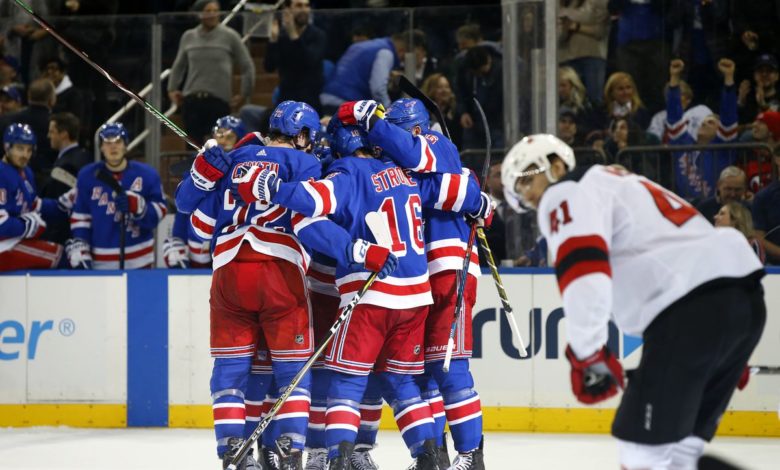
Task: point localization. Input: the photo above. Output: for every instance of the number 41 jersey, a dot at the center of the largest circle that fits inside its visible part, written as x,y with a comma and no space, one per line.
624,246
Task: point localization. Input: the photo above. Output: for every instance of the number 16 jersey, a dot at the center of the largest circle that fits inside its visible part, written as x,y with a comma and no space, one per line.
626,247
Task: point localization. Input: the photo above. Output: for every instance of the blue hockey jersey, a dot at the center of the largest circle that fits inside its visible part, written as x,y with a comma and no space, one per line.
96,219
269,228
446,233
18,196
356,186
199,252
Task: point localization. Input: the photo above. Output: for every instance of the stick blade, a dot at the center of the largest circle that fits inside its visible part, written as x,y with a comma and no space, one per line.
376,223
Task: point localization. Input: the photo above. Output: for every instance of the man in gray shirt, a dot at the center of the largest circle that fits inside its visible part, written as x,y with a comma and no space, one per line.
206,55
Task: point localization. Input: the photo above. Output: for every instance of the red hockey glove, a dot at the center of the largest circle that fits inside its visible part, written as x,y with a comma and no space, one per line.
359,113
744,378
595,378
484,215
361,253
131,203
252,138
210,165
255,185
34,225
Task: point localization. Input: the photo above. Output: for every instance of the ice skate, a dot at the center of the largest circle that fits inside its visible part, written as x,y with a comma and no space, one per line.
317,460
342,461
361,458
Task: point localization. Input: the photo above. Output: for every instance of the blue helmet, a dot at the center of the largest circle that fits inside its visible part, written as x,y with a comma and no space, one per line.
233,124
291,117
112,130
18,133
345,140
407,113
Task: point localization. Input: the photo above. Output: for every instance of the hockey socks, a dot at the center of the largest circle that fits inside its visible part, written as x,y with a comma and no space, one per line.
293,417
429,391
256,404
315,434
412,414
229,378
343,415
370,413
461,403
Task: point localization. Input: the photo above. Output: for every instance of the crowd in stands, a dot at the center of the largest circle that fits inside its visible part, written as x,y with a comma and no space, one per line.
654,74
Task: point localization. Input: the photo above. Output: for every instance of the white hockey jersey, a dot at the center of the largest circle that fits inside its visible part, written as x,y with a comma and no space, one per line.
626,247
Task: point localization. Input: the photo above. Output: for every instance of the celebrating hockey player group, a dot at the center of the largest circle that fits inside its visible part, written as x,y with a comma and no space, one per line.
288,227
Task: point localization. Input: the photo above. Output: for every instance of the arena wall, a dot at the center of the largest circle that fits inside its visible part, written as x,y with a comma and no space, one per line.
131,349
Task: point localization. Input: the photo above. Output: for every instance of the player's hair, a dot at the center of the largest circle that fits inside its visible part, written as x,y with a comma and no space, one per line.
741,219
469,31
41,91
67,122
731,171
430,83
612,82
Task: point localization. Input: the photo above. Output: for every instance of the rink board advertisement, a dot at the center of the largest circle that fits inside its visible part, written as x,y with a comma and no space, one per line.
132,349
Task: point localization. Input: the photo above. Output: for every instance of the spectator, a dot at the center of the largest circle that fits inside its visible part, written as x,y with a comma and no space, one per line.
63,138
9,72
733,214
573,96
764,95
625,133
582,41
693,115
437,87
622,99
694,172
641,45
755,24
766,215
484,80
364,71
22,212
732,187
568,129
208,54
23,36
69,98
702,36
765,130
496,234
425,64
40,100
100,215
10,100
296,49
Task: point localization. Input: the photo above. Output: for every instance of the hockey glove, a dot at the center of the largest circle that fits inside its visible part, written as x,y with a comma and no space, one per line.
359,113
484,215
744,378
595,378
252,138
34,225
363,254
210,165
175,253
131,203
78,254
255,185
66,201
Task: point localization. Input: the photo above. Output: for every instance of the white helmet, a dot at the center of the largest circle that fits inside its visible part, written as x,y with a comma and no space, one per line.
534,150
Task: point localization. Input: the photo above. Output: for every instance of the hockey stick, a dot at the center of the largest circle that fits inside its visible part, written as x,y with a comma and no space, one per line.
764,370
151,109
411,89
263,424
102,175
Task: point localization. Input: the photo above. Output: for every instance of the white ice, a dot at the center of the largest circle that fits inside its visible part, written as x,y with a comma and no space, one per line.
193,449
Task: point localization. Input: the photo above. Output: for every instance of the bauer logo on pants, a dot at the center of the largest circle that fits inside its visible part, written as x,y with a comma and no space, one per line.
298,339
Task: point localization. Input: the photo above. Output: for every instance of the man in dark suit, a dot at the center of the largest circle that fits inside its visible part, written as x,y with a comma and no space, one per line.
63,137
69,98
40,100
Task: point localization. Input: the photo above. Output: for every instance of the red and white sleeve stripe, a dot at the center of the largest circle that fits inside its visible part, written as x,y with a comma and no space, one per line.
677,129
323,195
202,224
427,162
159,209
80,220
300,221
727,133
452,192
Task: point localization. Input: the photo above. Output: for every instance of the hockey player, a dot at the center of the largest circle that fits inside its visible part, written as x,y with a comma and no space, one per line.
626,248
22,212
228,131
259,262
96,221
384,333
405,136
